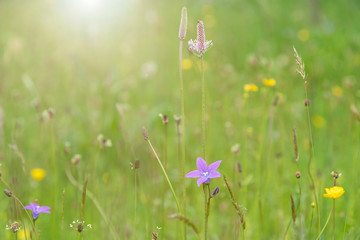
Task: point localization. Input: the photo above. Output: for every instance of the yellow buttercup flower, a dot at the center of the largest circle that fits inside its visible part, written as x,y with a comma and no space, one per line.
38,174
21,234
337,91
270,82
334,192
318,121
303,35
250,87
187,64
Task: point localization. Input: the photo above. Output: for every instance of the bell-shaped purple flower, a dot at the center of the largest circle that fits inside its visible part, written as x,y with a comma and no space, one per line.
204,172
37,209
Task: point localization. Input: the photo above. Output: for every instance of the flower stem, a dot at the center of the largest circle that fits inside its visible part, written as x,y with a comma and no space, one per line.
205,212
182,126
333,233
203,108
135,202
327,221
23,207
170,185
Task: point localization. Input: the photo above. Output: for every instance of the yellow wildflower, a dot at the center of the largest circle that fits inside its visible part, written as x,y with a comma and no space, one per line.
187,64
270,82
318,121
303,35
250,87
334,192
337,91
21,234
38,174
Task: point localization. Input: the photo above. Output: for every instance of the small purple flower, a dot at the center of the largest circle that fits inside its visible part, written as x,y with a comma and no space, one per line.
205,172
37,209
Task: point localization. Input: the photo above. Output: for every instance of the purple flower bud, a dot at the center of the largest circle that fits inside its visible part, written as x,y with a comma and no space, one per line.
216,191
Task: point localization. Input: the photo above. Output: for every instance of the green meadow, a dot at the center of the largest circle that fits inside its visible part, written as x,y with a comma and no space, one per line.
79,79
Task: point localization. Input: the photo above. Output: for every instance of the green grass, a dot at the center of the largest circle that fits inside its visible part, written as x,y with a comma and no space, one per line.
82,64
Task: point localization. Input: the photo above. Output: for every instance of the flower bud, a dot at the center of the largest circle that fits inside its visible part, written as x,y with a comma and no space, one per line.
298,174
307,102
215,192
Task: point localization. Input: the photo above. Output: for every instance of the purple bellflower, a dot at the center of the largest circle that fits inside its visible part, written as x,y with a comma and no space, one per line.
37,209
205,172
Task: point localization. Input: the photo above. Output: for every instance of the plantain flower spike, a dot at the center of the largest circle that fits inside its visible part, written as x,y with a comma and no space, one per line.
200,45
183,24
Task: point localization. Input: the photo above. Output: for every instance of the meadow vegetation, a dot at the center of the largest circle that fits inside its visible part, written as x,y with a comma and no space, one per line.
91,120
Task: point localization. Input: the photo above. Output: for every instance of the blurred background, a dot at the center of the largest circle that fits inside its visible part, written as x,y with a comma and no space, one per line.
71,70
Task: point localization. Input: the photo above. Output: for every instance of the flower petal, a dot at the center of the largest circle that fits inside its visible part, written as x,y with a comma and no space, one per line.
194,174
34,205
214,174
44,209
201,164
214,166
201,180
28,207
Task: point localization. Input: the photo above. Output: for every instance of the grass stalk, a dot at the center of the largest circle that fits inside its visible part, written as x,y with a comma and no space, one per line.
311,222
301,71
327,221
187,222
22,206
168,180
94,200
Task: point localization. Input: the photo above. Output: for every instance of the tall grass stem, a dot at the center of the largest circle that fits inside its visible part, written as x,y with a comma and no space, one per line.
170,185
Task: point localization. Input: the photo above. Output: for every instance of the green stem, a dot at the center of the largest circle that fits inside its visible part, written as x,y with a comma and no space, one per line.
203,108
170,185
22,205
311,153
182,127
333,233
207,209
311,221
327,221
95,202
205,212
135,202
